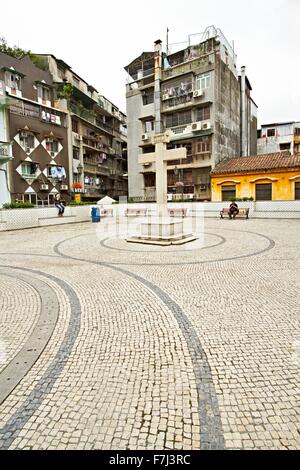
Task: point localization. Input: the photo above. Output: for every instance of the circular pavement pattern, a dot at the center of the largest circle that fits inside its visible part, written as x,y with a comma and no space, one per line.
157,348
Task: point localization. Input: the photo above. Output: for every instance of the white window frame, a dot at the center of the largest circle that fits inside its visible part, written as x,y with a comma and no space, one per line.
24,141
203,81
271,129
27,174
148,126
51,142
13,80
44,93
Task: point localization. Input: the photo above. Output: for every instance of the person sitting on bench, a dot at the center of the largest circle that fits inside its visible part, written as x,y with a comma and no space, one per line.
233,210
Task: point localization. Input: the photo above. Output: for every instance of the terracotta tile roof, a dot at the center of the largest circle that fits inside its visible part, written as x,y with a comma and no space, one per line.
265,162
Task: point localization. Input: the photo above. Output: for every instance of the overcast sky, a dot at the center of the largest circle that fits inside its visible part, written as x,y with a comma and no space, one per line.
97,39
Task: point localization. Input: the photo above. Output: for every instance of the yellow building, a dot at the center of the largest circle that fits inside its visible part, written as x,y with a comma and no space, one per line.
271,177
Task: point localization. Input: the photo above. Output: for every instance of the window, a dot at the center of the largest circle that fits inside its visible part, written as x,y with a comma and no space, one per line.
32,198
149,149
29,169
149,179
228,193
203,145
61,73
297,191
56,172
148,98
297,148
76,81
297,131
148,126
76,153
203,81
203,114
75,126
13,81
178,119
264,192
27,141
271,132
44,94
285,146
52,146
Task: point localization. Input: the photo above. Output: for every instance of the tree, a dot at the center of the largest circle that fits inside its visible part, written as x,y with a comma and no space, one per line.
19,53
15,51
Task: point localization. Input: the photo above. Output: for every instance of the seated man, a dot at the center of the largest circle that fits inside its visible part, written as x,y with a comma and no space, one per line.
233,210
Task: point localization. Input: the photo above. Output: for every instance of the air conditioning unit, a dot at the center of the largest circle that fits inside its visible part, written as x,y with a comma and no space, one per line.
44,187
198,93
206,126
145,137
64,187
196,126
165,96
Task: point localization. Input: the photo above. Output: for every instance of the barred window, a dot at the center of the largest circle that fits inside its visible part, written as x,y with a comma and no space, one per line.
179,119
148,98
228,193
264,192
297,191
203,145
203,114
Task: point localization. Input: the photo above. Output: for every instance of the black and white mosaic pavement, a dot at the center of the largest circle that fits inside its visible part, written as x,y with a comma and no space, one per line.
133,347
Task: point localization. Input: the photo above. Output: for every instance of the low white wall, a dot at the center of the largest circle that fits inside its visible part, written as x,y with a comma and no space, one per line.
28,218
16,219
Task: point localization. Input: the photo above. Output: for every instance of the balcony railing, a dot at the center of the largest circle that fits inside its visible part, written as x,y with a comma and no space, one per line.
5,152
37,112
142,74
186,67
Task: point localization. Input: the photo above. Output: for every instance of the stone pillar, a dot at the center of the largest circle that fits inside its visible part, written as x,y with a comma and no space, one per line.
244,147
157,92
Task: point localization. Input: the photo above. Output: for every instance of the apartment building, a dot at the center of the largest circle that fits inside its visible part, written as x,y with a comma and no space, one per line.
34,141
278,137
5,148
97,135
198,97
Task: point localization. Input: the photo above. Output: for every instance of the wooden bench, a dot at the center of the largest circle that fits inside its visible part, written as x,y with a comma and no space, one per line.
107,213
242,213
135,212
177,212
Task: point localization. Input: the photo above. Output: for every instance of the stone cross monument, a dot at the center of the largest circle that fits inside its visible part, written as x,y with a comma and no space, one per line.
161,157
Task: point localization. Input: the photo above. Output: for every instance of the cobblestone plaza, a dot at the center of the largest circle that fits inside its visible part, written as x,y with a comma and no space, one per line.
106,345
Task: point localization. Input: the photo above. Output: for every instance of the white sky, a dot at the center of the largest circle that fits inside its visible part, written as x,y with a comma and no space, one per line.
98,38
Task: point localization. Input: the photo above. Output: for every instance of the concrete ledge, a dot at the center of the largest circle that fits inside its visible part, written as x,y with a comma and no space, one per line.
163,241
47,221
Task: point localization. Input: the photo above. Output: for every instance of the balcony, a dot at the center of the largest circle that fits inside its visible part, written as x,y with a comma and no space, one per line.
141,74
36,111
202,160
5,152
93,192
187,67
86,114
96,169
